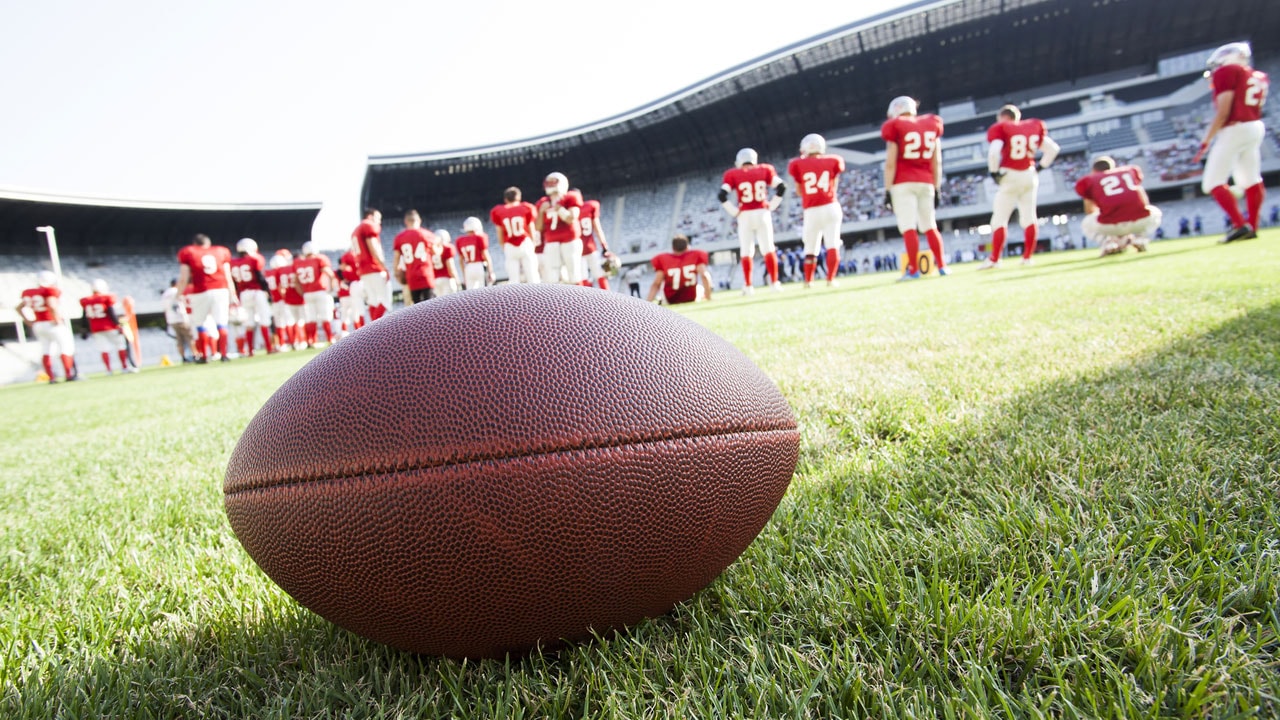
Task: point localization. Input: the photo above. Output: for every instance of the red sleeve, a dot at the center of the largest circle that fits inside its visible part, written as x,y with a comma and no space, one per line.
1137,174
994,133
1044,131
184,255
702,258
773,174
937,120
572,200
493,216
839,164
1082,186
888,132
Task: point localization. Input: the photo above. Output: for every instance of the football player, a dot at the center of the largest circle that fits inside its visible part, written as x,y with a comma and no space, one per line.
313,276
593,246
1117,212
350,294
913,176
679,272
473,247
294,301
100,319
442,266
411,257
247,270
1234,138
207,268
514,220
816,175
40,308
175,317
558,213
758,191
366,252
1011,159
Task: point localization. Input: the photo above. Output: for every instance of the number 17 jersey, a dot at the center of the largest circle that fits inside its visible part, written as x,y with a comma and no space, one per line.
816,177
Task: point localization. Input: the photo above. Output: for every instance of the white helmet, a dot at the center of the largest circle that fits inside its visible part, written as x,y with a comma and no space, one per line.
901,105
746,156
46,279
473,225
99,286
443,235
556,185
247,245
813,144
1236,53
308,248
278,261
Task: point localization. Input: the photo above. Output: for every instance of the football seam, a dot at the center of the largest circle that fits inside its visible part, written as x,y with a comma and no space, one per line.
354,475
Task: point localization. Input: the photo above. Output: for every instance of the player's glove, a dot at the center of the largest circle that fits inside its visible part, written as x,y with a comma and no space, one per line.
723,195
996,177
780,189
937,198
888,199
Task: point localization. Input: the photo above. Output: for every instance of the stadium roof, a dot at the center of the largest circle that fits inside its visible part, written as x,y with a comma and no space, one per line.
934,50
95,224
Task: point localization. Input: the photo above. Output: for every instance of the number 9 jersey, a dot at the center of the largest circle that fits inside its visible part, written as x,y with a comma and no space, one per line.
918,139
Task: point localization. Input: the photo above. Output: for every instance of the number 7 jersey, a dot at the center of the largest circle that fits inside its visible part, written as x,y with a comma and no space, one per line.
919,139
816,177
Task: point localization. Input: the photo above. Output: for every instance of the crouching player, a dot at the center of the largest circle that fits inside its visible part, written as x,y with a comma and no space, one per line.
678,273
100,319
1117,212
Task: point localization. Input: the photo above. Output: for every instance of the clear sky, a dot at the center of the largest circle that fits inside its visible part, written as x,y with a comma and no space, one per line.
244,101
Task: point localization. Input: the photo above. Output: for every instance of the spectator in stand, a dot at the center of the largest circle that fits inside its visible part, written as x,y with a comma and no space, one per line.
1198,225
1184,226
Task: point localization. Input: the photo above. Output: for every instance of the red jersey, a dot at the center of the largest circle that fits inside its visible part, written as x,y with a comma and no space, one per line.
440,263
1117,193
347,267
918,143
1250,87
206,265
98,309
414,245
37,301
472,247
515,220
554,229
243,271
1021,140
587,219
288,293
362,239
680,274
816,177
310,272
752,185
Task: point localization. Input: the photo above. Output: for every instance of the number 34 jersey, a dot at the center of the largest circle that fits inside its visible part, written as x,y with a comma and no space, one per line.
918,139
1021,140
816,177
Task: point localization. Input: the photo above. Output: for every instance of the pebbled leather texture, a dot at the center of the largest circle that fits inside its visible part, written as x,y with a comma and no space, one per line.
510,467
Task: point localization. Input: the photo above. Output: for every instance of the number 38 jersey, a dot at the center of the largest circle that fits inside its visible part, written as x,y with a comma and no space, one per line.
752,185
1117,193
1250,87
918,139
206,265
1021,139
816,177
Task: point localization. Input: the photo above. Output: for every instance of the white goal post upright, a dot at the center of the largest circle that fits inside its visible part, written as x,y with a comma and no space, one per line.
56,263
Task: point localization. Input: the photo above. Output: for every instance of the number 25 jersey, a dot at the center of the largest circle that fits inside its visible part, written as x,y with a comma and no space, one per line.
919,139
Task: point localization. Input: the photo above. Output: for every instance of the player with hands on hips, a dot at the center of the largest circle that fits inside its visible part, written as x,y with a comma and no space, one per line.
207,269
411,257
41,309
557,221
757,190
1011,158
473,248
1233,141
101,320
816,175
678,273
1118,213
913,176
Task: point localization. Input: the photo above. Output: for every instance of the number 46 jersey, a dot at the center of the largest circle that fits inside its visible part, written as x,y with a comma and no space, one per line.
1021,139
816,177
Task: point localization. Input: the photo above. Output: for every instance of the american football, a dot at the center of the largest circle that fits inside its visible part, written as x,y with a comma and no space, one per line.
585,461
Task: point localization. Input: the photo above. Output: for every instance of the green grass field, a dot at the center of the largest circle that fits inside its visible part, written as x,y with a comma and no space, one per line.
1037,492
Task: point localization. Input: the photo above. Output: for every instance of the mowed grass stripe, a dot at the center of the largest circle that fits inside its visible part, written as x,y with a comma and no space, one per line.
1035,492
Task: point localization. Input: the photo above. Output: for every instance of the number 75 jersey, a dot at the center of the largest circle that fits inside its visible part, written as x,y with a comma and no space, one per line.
919,140
816,177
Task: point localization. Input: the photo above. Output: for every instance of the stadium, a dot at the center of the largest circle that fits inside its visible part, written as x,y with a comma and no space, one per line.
1047,491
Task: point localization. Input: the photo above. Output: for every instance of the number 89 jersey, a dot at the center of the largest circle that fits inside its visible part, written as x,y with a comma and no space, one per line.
816,177
1021,141
753,185
918,139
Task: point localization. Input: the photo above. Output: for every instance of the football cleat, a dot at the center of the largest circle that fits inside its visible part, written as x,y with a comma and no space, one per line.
1026,261
833,283
944,271
909,276
813,144
747,291
556,185
901,105
472,225
746,156
776,287
1244,232
989,264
